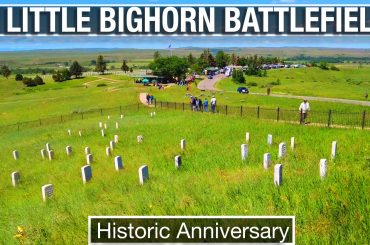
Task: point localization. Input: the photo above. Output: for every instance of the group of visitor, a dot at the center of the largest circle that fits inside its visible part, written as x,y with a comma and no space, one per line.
196,104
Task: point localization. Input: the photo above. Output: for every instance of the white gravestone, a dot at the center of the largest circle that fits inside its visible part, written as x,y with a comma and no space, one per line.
143,174
292,143
43,153
116,138
102,133
51,155
117,125
108,151
108,117
112,144
247,137
69,150
87,151
178,161
105,126
333,149
69,132
86,173
282,150
118,163
154,113
140,139
100,124
278,174
48,147
80,133
47,191
269,139
244,151
121,116
89,159
15,155
15,178
323,168
183,144
151,114
266,160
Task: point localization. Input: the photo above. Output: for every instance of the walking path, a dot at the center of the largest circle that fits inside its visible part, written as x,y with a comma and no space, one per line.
209,84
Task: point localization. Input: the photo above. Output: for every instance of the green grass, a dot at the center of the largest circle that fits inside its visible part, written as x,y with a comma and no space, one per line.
348,83
213,181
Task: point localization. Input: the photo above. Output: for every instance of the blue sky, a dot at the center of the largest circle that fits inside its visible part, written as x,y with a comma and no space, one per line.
29,43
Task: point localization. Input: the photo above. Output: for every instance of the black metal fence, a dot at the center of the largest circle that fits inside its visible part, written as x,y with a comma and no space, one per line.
331,118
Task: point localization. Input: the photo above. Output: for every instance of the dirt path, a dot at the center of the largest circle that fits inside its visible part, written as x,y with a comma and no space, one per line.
209,84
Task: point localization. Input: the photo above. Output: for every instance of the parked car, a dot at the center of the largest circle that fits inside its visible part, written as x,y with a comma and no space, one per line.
243,90
210,77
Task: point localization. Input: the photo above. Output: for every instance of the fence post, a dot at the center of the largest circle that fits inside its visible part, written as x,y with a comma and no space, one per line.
183,106
241,111
363,119
258,112
329,118
175,105
226,109
167,105
278,114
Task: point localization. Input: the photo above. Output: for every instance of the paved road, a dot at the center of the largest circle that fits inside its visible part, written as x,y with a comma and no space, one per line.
209,84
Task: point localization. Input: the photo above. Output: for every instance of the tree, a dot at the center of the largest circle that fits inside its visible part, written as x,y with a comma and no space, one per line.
75,69
101,65
18,77
206,59
66,75
238,76
29,82
131,70
169,67
38,80
156,55
124,66
5,71
222,59
324,65
191,59
57,76
233,59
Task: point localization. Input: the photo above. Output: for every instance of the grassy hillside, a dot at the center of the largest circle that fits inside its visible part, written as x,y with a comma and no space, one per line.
349,83
213,180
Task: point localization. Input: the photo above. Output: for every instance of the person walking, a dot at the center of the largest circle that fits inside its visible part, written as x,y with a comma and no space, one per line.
213,104
268,91
303,109
205,105
193,103
147,98
196,104
200,104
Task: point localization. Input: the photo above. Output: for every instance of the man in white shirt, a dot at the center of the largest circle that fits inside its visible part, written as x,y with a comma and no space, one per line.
213,104
303,109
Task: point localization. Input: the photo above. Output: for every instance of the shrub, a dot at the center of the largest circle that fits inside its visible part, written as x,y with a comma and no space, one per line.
238,76
18,77
29,82
101,85
276,83
324,65
38,80
334,68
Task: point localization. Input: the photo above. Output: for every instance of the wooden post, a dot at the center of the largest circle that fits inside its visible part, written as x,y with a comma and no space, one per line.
61,118
226,109
363,119
101,112
241,110
278,114
329,118
258,112
161,104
